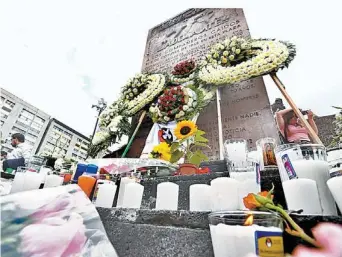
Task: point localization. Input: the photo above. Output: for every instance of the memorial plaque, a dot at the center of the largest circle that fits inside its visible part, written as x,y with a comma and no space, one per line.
245,106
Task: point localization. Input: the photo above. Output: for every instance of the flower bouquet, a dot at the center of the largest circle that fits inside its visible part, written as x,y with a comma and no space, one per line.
189,137
180,103
176,103
183,71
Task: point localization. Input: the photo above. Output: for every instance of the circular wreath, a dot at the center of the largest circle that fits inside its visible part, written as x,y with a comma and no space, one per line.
179,103
183,72
138,92
236,60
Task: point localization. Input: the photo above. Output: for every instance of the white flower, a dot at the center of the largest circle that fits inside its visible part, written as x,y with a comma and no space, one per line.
152,109
194,104
181,114
185,107
166,118
190,101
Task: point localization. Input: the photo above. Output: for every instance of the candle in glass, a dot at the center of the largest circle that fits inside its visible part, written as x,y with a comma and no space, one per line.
266,148
236,153
105,195
233,236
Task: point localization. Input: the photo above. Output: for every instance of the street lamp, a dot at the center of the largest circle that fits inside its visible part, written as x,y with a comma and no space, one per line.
100,106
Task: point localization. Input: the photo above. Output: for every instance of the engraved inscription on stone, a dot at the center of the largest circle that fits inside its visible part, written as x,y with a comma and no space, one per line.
245,108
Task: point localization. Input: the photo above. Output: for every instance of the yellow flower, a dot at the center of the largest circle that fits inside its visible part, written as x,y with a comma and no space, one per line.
163,151
185,129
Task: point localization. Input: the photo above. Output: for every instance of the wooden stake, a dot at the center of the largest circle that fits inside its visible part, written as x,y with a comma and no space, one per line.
281,87
142,116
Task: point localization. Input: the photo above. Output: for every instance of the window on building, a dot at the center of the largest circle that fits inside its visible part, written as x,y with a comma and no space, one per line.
2,122
2,100
68,135
31,137
3,115
79,140
17,130
25,113
39,120
74,155
8,104
36,126
57,129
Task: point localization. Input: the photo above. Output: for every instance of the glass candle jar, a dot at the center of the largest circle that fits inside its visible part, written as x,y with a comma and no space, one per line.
307,161
235,151
265,147
239,233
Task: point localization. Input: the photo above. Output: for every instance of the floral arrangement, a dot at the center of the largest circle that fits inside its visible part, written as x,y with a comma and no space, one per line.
183,71
188,138
180,103
155,86
337,140
138,92
251,59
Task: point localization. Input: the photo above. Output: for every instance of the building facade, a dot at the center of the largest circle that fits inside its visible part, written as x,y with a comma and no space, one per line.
61,140
18,116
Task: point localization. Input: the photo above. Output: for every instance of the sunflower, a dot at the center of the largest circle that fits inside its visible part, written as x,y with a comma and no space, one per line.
185,129
162,151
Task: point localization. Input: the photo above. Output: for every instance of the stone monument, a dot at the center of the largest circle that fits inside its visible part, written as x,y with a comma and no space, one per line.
245,107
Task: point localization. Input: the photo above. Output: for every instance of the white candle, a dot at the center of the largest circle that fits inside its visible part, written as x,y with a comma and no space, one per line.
123,184
225,194
318,171
53,181
200,197
236,240
247,184
105,195
18,182
32,180
44,171
302,194
167,196
133,195
237,153
335,186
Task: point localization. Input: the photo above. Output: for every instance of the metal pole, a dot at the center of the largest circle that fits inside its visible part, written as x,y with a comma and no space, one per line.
219,122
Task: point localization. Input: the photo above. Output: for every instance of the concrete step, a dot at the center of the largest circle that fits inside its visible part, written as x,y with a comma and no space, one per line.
152,233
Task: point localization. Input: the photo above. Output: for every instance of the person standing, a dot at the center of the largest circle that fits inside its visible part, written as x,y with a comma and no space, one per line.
22,149
291,128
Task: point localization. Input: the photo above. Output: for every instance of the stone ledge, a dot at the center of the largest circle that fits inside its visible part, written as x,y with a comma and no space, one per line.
143,240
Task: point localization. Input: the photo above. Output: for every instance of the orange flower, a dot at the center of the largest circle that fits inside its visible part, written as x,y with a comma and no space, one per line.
252,201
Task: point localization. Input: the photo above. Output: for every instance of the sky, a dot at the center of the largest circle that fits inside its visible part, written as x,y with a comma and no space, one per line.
62,56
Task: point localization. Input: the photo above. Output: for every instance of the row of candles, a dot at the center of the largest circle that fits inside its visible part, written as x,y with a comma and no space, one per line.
303,169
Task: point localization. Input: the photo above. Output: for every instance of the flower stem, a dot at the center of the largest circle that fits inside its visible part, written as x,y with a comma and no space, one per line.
300,231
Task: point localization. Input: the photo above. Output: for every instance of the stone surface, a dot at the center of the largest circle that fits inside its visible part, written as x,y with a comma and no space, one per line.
245,107
184,182
215,166
176,233
146,233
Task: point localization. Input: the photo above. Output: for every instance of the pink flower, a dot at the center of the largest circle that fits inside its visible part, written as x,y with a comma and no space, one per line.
54,237
329,236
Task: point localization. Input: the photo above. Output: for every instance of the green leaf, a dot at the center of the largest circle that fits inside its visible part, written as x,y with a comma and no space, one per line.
197,157
174,147
199,138
201,144
175,156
